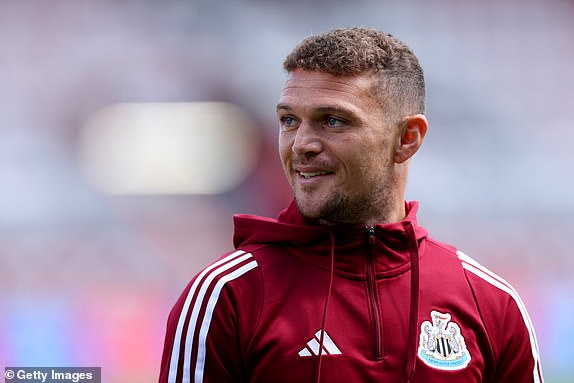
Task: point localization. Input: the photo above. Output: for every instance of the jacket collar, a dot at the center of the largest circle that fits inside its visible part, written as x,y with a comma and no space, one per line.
311,240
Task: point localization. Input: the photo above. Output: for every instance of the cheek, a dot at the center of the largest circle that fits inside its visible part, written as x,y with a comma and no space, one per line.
284,147
371,162
381,150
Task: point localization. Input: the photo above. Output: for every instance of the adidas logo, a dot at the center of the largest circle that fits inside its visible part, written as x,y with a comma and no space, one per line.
312,347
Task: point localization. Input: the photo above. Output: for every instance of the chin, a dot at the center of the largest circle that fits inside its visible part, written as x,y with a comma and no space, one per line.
308,210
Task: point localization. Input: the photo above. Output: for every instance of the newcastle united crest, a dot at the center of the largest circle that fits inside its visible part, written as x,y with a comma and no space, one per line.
441,343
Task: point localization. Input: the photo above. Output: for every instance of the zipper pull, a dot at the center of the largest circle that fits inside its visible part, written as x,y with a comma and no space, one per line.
371,235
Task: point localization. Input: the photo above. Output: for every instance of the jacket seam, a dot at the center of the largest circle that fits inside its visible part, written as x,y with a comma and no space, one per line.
492,352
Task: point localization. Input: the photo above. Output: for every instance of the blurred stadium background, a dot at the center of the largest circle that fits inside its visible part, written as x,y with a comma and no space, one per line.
104,217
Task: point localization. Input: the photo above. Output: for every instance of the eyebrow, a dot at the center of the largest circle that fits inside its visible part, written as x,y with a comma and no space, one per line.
321,109
283,107
336,109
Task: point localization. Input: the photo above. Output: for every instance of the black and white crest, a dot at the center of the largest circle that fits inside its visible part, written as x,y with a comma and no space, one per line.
441,343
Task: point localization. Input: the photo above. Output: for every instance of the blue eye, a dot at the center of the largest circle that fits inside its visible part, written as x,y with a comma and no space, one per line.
288,121
334,122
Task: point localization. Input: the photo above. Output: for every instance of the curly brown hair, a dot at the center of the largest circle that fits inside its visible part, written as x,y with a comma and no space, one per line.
353,51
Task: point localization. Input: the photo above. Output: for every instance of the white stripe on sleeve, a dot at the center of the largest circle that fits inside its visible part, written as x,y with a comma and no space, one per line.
185,309
490,277
200,365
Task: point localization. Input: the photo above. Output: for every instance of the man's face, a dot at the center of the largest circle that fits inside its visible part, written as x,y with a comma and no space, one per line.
337,146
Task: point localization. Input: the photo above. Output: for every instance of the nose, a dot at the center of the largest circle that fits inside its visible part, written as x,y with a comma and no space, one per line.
307,140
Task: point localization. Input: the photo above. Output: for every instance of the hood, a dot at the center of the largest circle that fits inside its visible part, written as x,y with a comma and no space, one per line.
303,234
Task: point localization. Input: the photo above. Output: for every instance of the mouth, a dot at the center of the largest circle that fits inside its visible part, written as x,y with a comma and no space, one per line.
308,175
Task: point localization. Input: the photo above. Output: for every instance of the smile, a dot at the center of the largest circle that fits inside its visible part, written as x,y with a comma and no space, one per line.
313,174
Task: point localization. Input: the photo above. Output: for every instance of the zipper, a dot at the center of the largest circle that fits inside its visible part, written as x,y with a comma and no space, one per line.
373,296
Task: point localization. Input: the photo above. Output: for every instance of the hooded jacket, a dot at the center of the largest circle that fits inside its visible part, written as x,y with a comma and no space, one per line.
302,302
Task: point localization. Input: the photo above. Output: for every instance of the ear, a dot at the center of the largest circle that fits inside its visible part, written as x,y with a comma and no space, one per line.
413,130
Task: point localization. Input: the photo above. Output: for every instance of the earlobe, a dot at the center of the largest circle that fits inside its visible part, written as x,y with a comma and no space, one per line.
412,135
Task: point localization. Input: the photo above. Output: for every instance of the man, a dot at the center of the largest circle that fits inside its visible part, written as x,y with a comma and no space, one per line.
345,286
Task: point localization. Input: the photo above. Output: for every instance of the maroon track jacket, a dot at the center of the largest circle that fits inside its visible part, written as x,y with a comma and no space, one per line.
303,302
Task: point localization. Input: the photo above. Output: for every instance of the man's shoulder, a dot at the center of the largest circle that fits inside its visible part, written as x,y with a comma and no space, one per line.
243,266
484,282
439,248
229,269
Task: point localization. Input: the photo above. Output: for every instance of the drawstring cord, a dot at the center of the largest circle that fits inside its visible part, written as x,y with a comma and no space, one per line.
414,309
414,304
324,319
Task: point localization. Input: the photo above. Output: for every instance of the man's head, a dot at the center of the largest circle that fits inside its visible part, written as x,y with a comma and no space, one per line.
351,116
397,75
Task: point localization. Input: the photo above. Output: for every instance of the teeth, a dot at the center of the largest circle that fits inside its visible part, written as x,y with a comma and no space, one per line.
309,175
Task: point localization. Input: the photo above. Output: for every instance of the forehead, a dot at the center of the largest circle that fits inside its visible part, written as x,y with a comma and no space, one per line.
309,88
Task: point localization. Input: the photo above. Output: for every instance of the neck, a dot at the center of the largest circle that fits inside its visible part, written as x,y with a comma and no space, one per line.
394,213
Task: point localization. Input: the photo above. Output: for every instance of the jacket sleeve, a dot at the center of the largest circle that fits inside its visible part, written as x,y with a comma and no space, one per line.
516,347
510,330
206,332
